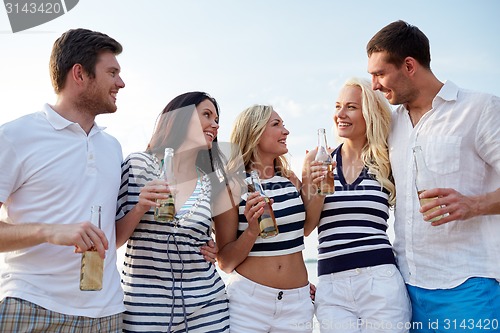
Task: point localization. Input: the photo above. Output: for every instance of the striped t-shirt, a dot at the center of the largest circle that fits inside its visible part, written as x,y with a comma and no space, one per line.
353,224
290,217
165,278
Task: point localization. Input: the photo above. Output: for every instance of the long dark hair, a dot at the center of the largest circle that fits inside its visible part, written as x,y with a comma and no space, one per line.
171,129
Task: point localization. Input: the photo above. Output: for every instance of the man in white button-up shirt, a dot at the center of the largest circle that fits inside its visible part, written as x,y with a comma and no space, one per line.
452,265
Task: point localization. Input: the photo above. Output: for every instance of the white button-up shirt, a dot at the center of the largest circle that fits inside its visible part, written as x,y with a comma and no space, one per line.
460,139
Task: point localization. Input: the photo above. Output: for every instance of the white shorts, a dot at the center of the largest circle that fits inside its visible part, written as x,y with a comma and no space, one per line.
256,308
371,299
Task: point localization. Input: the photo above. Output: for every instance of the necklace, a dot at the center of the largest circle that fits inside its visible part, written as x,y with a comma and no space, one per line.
204,188
204,185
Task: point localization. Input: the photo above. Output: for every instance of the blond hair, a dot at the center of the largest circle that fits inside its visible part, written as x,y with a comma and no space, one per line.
246,134
376,111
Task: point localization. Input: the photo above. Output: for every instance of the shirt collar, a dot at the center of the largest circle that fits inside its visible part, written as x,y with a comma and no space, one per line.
59,122
448,92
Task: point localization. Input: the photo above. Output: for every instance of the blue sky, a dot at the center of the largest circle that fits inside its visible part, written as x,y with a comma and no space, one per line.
291,54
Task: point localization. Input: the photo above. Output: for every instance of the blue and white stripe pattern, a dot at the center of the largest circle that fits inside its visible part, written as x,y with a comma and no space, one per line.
166,280
353,224
290,216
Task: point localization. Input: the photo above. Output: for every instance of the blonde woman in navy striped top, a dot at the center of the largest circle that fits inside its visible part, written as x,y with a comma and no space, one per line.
268,288
359,286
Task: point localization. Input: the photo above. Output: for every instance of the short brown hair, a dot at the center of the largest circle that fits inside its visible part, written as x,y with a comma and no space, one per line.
400,40
78,46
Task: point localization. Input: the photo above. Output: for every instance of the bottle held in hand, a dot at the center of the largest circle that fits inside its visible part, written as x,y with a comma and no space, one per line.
267,221
166,211
327,185
424,180
92,265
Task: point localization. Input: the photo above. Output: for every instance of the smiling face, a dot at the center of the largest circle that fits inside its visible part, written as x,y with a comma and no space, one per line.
204,125
390,80
348,116
99,95
272,142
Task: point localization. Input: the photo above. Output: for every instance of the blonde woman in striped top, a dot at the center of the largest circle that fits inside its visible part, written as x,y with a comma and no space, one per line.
359,286
268,288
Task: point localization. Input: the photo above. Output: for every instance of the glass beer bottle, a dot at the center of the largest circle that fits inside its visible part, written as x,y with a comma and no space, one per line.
91,269
424,180
327,185
166,211
267,221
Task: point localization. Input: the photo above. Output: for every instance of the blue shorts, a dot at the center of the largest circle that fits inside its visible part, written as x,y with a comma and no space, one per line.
473,306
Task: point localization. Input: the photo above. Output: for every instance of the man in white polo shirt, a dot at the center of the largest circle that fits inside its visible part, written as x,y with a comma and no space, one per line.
54,165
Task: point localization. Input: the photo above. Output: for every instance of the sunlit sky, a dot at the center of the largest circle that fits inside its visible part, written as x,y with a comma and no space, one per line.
291,54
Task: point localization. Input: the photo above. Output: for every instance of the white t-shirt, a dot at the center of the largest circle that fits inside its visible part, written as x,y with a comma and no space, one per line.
52,172
460,139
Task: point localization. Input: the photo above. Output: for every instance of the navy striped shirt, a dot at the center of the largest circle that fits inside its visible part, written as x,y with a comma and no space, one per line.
165,276
353,224
290,216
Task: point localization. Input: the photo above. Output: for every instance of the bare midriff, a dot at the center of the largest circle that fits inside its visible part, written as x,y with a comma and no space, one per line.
280,272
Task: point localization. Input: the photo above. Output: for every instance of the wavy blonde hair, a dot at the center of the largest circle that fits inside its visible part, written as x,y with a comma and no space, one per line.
376,111
247,131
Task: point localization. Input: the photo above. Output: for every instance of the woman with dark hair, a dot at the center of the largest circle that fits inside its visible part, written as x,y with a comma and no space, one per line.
169,283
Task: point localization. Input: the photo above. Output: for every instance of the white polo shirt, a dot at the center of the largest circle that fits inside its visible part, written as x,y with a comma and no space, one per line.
52,172
460,138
